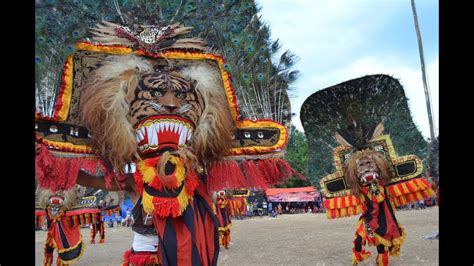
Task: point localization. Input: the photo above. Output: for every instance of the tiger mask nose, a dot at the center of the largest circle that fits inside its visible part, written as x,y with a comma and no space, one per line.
170,108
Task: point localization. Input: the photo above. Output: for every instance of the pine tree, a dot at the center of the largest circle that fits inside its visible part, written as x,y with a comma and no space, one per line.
297,157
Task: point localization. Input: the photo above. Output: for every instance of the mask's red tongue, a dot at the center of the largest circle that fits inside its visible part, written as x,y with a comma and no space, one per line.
156,133
369,177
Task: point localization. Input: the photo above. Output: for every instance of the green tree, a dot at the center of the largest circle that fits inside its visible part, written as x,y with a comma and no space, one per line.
297,157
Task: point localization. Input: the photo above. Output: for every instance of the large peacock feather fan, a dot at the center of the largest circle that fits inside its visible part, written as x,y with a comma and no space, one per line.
231,28
353,109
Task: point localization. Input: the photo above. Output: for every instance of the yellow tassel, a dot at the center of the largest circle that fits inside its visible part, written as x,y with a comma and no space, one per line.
147,201
331,203
422,185
148,173
343,212
180,171
350,211
183,200
405,188
338,202
430,192
415,185
403,200
396,202
397,191
346,201
411,197
418,195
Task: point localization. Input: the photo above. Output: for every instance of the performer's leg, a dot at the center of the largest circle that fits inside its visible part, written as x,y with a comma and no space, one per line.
48,253
382,256
358,243
359,254
226,239
59,262
221,238
102,232
93,232
394,250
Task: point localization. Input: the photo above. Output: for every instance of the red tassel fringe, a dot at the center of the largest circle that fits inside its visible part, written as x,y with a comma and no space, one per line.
138,181
254,176
286,167
286,172
269,171
228,174
225,175
416,189
140,258
164,207
59,173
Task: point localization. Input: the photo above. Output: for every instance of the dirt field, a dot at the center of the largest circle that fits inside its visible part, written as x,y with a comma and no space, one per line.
298,239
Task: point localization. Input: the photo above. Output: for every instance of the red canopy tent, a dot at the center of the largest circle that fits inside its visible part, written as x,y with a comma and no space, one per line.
298,194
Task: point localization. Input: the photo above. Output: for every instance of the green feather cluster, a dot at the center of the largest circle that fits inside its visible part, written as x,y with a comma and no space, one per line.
231,28
369,100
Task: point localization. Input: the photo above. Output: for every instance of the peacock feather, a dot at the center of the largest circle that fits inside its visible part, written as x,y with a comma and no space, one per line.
231,28
353,109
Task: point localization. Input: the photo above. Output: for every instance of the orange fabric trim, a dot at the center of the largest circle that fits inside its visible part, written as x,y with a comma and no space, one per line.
61,108
67,146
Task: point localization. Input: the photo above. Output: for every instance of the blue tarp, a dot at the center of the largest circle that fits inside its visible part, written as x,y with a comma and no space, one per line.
126,205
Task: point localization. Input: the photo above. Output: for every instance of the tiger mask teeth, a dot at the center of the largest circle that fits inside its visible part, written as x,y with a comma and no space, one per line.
156,132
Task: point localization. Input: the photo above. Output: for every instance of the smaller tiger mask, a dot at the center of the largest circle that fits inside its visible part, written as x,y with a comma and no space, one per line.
56,203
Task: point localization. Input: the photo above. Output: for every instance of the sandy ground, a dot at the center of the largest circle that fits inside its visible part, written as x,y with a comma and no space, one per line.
298,239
